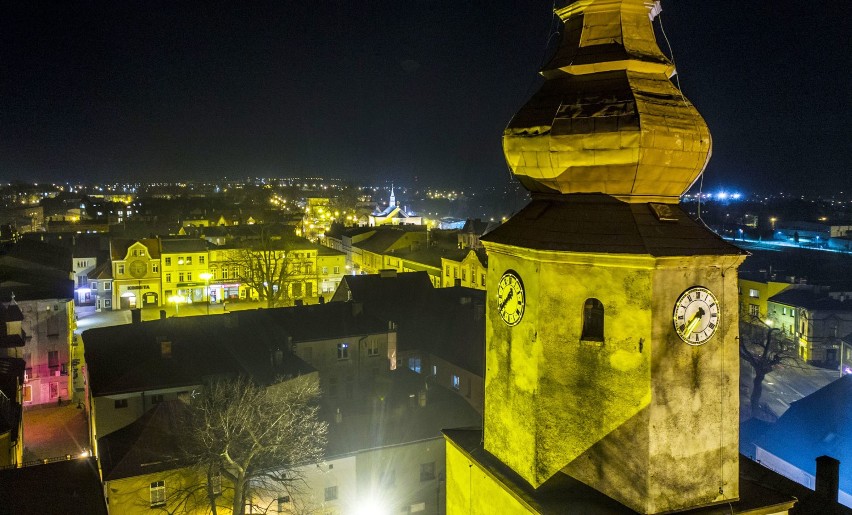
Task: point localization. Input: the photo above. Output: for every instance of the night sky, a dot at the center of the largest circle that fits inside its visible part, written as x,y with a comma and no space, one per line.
376,89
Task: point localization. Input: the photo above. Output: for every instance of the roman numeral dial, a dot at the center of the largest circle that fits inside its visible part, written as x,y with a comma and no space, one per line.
511,299
696,315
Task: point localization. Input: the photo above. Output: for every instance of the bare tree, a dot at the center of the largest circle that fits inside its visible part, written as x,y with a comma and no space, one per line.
764,353
246,441
274,267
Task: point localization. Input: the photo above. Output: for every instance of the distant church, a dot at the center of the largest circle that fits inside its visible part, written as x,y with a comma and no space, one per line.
612,364
394,214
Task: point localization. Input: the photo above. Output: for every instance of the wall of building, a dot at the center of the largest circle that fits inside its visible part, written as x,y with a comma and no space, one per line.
48,325
472,490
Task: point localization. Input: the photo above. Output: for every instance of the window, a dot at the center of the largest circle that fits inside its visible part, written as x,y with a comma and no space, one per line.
753,293
325,270
784,311
414,364
283,501
120,269
93,285
155,267
593,321
342,351
200,260
189,276
337,270
107,303
427,471
158,493
180,277
456,382
168,278
447,271
28,393
434,370
464,275
754,310
482,280
53,361
189,260
120,403
331,493
373,348
168,261
107,286
297,290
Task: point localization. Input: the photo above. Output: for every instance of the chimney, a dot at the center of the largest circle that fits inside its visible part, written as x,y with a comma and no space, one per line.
827,478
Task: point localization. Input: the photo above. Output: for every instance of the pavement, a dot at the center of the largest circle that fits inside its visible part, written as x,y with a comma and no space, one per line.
52,431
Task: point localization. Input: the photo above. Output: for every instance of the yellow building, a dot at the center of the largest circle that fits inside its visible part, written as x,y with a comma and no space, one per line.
185,263
135,273
331,267
466,268
612,364
754,292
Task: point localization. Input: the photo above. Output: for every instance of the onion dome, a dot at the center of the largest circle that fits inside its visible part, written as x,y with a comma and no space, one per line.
608,118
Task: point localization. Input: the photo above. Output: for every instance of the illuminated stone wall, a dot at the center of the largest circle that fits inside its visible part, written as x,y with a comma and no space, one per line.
641,416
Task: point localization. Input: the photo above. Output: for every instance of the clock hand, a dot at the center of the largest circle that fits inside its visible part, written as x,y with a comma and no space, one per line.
693,322
507,299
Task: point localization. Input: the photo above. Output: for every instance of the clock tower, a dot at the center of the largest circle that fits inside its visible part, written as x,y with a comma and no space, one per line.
611,350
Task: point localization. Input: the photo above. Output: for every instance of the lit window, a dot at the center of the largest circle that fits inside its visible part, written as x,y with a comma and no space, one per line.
189,260
784,311
331,493
434,370
753,293
158,493
593,321
427,471
456,382
414,364
342,351
753,310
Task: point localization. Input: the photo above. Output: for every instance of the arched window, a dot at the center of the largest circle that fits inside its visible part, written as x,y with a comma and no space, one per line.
593,320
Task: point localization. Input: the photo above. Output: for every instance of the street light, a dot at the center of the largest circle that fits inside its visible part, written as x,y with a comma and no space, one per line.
206,276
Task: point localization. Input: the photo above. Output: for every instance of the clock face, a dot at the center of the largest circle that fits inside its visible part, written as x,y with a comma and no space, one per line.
138,269
510,298
696,315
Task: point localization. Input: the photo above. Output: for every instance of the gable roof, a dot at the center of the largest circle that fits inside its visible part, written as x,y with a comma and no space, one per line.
72,487
118,247
597,223
810,299
817,425
128,358
186,244
145,446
